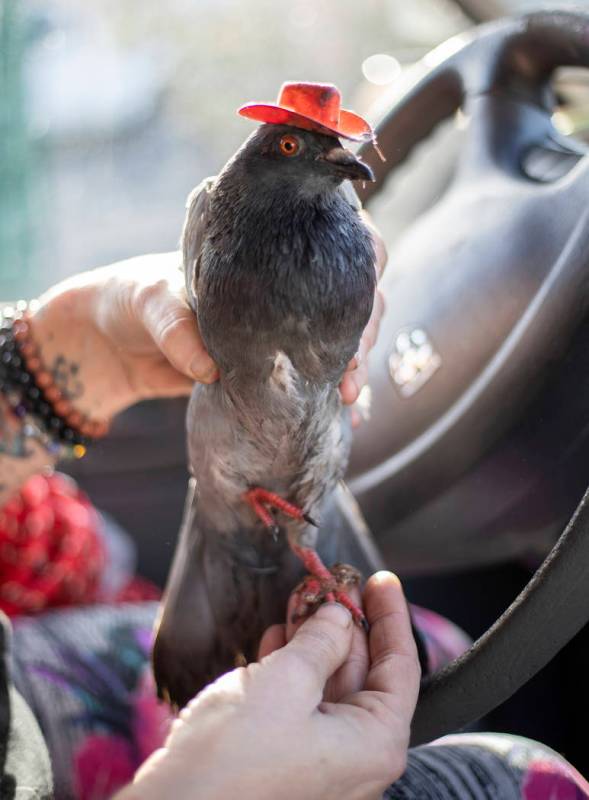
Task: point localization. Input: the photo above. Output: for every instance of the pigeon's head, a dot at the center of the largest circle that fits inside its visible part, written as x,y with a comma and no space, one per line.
303,161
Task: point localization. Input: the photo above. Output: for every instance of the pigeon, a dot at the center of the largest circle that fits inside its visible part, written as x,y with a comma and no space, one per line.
281,273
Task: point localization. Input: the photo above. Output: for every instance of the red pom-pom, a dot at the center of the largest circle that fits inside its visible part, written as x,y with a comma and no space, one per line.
50,551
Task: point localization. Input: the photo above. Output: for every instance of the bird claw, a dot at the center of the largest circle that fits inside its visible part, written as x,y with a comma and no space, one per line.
310,520
329,587
261,499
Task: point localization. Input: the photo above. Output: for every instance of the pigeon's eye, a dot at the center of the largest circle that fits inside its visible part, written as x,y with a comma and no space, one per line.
289,145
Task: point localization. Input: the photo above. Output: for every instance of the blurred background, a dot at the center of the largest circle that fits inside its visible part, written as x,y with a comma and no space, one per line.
112,112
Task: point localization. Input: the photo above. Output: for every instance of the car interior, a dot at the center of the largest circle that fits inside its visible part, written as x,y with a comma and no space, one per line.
472,455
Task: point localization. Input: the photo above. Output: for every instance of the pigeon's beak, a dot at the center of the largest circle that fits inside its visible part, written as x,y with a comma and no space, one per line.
346,164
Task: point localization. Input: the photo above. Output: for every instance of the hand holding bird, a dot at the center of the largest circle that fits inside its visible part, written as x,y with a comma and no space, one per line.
323,714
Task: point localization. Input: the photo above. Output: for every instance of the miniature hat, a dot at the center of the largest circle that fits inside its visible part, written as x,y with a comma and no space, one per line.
313,106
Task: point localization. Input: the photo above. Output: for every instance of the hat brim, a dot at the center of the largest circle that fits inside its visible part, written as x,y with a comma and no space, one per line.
351,126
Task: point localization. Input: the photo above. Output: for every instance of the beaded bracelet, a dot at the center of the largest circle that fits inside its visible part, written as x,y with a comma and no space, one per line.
32,395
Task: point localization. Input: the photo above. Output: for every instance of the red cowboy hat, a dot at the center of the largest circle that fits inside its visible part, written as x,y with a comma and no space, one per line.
313,106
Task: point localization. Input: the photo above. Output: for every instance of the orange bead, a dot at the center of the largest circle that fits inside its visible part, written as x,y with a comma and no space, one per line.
28,349
52,393
43,379
74,419
33,363
62,407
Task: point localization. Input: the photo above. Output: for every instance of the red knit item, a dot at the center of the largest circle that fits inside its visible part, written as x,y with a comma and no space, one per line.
138,590
50,551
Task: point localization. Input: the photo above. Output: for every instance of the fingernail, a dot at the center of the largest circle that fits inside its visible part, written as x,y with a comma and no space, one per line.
336,613
203,372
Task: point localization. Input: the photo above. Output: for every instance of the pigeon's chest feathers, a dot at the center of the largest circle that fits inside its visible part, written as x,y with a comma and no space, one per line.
278,266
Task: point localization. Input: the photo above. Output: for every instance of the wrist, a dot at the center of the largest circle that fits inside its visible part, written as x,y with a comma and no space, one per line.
36,417
84,364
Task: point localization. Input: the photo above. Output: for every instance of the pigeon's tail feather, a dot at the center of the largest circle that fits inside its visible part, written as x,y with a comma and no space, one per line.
223,592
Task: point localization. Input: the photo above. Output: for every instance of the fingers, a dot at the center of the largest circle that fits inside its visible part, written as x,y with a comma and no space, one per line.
173,328
394,669
350,677
352,383
318,648
379,245
371,330
273,639
179,340
381,252
356,374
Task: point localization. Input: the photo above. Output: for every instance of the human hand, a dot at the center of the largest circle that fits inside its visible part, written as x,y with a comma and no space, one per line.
267,730
119,334
351,676
356,374
122,333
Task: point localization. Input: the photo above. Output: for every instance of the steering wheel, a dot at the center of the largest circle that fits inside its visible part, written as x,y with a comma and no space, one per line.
488,290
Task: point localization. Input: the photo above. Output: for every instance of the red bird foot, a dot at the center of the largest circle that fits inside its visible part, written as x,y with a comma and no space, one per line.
325,586
261,500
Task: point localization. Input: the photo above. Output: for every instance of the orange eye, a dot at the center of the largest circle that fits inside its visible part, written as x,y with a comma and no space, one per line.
289,145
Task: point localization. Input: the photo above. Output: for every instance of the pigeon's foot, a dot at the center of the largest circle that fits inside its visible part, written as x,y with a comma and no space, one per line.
261,500
324,585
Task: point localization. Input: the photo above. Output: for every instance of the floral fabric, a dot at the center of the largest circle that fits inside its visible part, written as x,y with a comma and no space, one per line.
487,766
85,674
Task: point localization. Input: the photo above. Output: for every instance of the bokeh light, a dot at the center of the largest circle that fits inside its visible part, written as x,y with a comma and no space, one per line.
381,69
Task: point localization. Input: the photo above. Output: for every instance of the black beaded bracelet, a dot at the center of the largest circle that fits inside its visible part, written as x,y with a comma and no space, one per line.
31,393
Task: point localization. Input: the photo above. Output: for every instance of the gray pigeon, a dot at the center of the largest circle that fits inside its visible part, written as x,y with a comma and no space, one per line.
280,271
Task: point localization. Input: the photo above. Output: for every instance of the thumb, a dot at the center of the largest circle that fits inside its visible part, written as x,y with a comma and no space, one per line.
319,647
180,342
173,328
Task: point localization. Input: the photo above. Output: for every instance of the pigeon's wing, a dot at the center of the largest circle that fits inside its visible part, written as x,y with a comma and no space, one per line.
193,234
